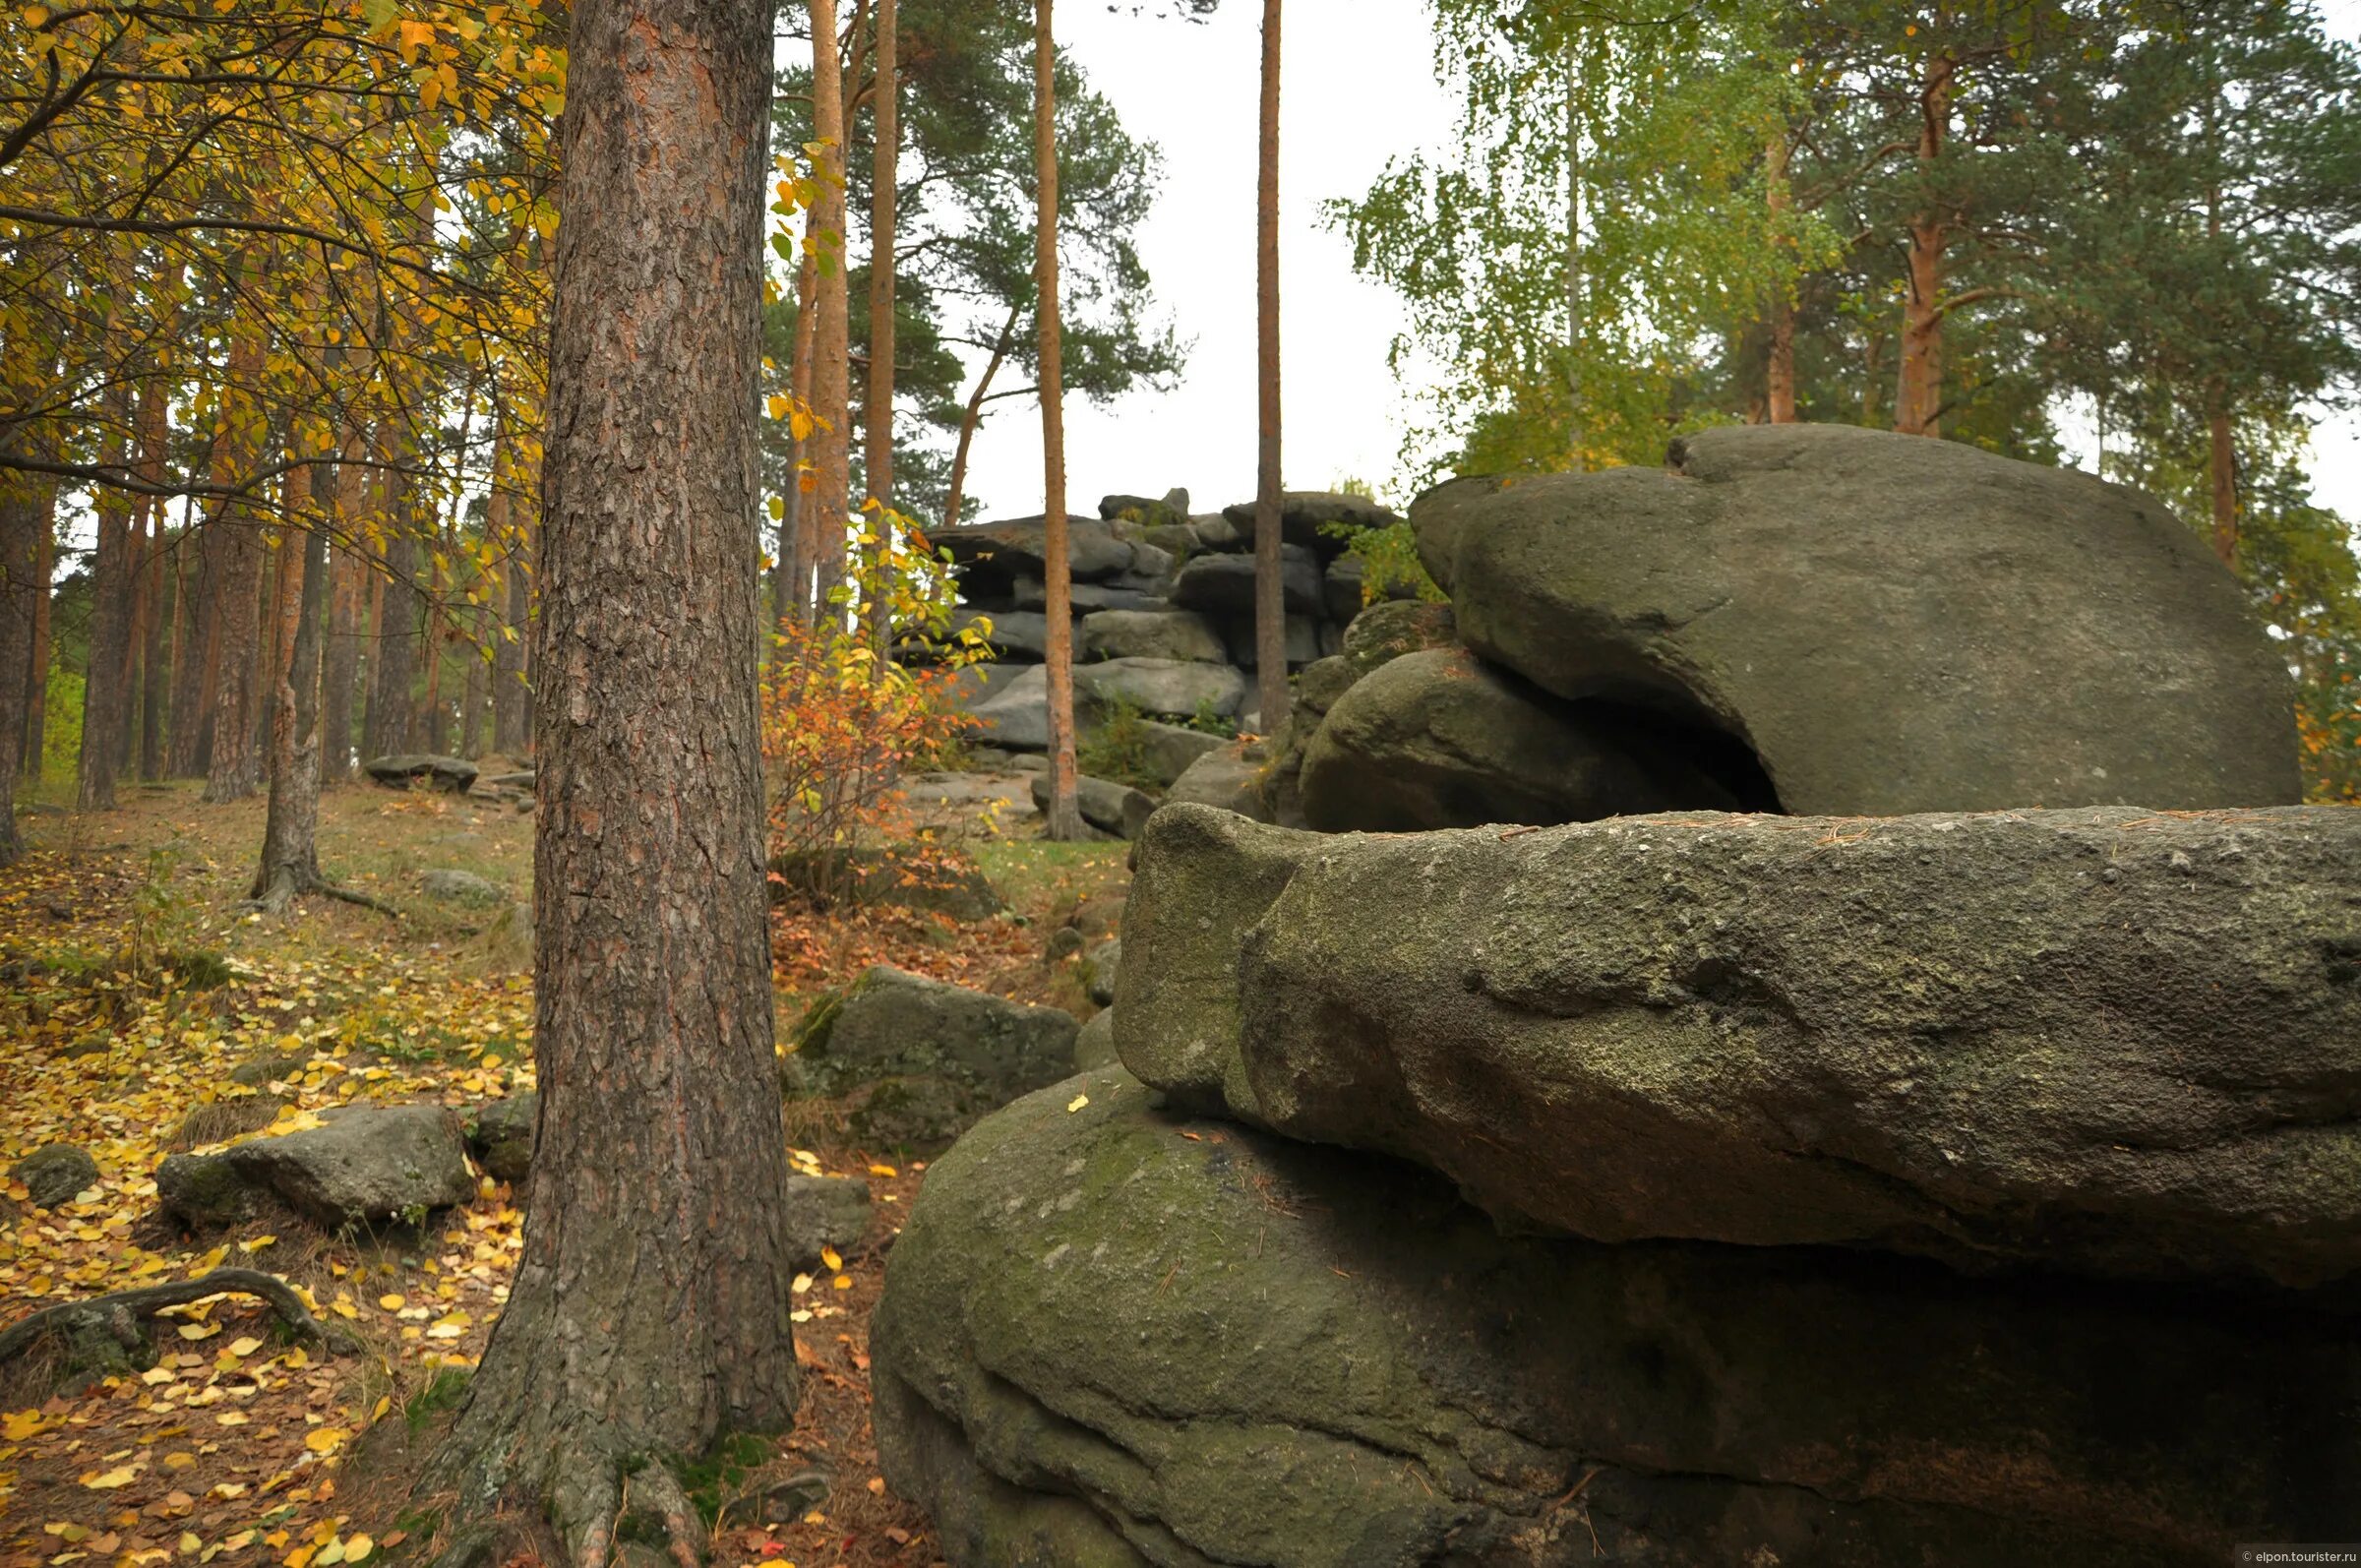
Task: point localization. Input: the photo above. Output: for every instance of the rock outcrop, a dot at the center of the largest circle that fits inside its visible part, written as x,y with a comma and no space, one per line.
1890,623
924,1059
2118,1042
1112,1337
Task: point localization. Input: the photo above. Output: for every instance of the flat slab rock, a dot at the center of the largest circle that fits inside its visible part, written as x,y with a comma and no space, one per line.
367,1166
1892,623
2116,1042
1112,1337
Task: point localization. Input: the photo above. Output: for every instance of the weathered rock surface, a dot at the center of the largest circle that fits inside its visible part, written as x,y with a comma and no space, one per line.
1300,640
1225,583
993,554
370,1164
1440,738
54,1174
1013,634
500,1134
1387,630
936,1057
1114,807
447,886
1103,1340
1893,625
1304,513
1151,635
2111,1041
824,1212
1168,750
448,773
202,1191
1226,779
1175,687
1094,1047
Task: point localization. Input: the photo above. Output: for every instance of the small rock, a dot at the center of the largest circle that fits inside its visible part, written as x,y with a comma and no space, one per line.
380,1162
501,1136
462,888
203,1191
55,1175
450,774
824,1212
1105,960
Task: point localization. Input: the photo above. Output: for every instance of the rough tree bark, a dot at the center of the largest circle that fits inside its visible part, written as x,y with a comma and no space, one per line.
290,864
36,685
234,771
20,586
831,353
1780,375
394,652
1064,809
193,647
342,659
1270,606
650,1314
1919,385
102,695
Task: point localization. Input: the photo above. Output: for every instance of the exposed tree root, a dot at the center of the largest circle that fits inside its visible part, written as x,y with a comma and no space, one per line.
120,1310
606,1511
287,884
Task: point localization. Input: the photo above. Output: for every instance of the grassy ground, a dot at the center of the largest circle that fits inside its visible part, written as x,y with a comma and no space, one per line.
131,987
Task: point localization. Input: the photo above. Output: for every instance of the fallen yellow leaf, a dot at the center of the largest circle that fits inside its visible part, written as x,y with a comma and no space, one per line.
109,1479
1076,1103
326,1439
828,1256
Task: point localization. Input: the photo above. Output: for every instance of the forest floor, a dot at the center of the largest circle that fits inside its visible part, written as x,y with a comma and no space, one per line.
131,985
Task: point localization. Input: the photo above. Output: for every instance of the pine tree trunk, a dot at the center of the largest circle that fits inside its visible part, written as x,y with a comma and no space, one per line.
1780,372
650,1309
36,685
234,771
102,693
831,354
395,652
1270,599
476,707
792,597
186,735
1918,384
884,216
341,661
2221,474
511,690
153,687
1064,811
973,415
20,585
291,862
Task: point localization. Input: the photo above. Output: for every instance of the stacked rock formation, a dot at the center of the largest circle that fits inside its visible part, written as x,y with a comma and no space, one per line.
1164,613
1949,1188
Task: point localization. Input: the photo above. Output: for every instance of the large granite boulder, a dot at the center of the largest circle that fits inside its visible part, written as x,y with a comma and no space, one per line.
1110,1337
2117,1042
1168,750
1151,635
1226,779
1224,584
1304,516
1179,688
993,556
369,1164
1014,635
1440,739
1892,623
927,1058
1390,628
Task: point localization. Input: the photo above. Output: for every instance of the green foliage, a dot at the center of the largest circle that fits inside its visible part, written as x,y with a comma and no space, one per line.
1389,561
61,724
1117,748
1208,722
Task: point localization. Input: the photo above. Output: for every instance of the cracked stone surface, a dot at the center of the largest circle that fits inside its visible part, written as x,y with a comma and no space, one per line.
2114,1042
1893,623
1114,1336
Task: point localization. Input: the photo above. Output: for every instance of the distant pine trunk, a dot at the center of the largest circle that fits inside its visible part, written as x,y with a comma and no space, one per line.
1270,598
831,351
1918,382
104,699
235,768
1780,372
2221,474
1064,809
20,585
37,684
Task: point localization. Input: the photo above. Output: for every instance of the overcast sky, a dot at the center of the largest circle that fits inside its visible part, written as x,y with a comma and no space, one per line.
1359,88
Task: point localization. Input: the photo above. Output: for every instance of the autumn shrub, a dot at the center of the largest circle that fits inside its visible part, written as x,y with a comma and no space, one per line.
842,725
1116,748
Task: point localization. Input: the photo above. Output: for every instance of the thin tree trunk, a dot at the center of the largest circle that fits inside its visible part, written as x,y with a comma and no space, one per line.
973,415
883,208
290,860
476,707
193,642
342,659
1779,372
102,695
650,1309
20,585
832,362
1919,385
1576,424
1270,598
511,692
793,595
37,684
154,686
2221,474
1064,810
234,771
